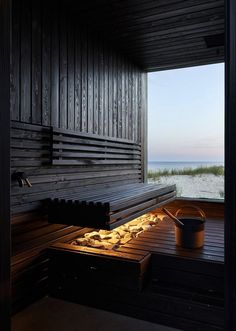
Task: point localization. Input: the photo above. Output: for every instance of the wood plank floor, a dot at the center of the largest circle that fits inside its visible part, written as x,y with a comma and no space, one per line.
161,240
182,288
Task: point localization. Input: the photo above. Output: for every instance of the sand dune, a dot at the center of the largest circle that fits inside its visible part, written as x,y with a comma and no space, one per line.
199,186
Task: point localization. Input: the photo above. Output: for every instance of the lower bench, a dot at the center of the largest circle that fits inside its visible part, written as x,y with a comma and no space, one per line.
71,264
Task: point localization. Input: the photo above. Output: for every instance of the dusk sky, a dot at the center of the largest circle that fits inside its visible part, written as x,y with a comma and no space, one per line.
186,114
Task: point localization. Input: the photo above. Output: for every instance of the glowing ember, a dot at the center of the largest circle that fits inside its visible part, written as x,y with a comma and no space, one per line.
113,239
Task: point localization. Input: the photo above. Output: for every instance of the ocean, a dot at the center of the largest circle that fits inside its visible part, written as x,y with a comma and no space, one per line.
156,165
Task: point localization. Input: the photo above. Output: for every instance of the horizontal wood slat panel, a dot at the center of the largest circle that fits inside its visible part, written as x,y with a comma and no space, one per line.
69,148
31,153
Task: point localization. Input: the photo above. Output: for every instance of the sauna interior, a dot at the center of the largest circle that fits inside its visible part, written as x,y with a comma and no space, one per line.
85,224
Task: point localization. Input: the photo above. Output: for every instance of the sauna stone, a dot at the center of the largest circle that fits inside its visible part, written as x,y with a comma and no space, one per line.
113,239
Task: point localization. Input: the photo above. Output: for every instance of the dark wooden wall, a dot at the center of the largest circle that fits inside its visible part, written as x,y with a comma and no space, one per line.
5,33
63,75
66,76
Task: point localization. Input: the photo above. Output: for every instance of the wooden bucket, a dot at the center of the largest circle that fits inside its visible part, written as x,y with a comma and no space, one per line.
192,233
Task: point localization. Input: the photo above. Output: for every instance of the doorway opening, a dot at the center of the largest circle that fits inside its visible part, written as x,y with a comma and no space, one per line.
186,130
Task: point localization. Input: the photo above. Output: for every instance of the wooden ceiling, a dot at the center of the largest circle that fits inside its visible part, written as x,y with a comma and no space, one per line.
161,34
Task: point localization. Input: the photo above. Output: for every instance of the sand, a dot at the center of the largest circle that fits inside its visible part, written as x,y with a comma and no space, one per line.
199,186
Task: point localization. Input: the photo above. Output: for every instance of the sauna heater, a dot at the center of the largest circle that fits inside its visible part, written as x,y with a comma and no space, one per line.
103,250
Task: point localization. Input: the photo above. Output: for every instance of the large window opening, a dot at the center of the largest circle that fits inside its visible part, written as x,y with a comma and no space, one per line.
186,130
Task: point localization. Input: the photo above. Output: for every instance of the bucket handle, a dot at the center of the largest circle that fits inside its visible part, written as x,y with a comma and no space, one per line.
200,211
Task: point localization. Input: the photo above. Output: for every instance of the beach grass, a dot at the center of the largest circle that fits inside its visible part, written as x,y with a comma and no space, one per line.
213,170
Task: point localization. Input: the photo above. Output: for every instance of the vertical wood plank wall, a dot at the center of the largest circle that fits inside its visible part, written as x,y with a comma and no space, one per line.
66,76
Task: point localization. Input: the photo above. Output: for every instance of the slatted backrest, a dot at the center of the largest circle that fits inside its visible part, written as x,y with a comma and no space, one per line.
30,146
70,148
31,152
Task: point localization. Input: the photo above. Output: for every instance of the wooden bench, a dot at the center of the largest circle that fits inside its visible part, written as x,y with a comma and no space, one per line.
182,288
108,208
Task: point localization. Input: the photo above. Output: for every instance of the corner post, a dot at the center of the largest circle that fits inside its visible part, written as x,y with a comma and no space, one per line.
5,247
230,166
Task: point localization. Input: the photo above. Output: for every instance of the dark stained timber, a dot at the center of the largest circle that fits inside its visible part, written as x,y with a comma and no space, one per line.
85,160
108,208
5,239
54,70
78,84
84,78
65,75
71,78
15,63
25,60
153,33
179,287
78,80
126,268
63,51
80,67
46,64
36,63
90,82
70,148
142,127
230,162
